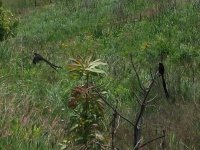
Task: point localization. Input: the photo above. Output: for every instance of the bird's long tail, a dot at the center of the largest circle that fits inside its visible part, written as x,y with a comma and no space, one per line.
165,87
52,65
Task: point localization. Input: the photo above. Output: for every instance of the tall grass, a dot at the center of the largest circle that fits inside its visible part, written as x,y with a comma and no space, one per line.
33,99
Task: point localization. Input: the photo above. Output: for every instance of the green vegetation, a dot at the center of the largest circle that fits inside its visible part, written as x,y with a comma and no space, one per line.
8,24
87,120
34,99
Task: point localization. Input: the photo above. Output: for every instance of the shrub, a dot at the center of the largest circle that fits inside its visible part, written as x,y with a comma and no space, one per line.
87,119
8,24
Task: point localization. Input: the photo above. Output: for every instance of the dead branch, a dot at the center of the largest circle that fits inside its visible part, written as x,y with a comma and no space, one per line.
113,126
137,129
109,105
138,78
162,136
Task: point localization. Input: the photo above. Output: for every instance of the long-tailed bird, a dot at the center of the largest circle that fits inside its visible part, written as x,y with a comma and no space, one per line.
37,58
161,70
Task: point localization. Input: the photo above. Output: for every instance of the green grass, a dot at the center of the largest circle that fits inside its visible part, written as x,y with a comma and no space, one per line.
32,98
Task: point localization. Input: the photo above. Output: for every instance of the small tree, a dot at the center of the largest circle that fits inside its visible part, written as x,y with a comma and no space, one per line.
87,119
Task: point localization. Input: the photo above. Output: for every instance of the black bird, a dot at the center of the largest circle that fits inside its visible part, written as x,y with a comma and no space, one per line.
161,70
37,58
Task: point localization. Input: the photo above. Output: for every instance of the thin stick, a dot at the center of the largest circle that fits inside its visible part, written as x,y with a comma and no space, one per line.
113,129
138,78
151,141
108,104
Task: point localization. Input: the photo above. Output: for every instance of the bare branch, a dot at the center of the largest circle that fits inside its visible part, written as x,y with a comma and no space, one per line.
152,141
117,126
140,114
137,98
113,129
138,78
145,99
137,144
108,104
149,101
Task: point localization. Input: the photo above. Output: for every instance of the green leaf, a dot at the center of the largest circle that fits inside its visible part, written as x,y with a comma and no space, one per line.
95,70
97,63
93,67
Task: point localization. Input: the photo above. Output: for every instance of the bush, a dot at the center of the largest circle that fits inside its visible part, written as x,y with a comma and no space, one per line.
8,24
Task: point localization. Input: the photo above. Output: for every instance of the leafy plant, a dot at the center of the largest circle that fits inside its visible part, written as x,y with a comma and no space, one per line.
88,108
8,23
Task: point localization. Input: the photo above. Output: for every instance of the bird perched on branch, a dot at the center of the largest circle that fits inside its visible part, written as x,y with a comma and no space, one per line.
37,58
161,71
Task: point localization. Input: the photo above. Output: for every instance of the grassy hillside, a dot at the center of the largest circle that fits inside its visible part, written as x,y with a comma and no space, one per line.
33,98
